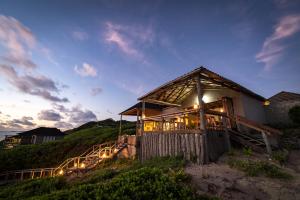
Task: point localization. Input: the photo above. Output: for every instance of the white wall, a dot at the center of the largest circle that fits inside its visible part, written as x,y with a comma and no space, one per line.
254,109
215,95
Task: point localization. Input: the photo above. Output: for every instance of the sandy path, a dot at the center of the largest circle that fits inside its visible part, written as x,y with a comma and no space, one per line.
222,181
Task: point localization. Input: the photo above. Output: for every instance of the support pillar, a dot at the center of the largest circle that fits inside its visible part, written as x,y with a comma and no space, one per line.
200,91
137,121
120,128
143,116
227,137
204,144
268,146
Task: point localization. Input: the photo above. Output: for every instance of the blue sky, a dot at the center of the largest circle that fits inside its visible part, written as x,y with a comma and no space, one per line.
63,63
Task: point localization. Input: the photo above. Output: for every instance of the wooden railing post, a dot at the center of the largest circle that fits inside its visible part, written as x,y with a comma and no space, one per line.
268,146
227,137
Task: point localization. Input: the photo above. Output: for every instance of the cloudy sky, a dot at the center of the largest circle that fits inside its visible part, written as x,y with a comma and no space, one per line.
63,63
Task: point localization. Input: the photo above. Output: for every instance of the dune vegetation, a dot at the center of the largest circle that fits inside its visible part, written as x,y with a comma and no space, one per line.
73,144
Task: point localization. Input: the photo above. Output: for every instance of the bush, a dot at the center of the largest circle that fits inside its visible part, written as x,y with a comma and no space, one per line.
256,168
32,188
144,183
294,114
247,151
280,156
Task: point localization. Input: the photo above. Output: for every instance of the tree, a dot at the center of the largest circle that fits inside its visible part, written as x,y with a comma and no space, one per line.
294,114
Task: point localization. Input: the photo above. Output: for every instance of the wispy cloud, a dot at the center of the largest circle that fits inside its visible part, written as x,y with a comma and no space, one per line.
86,70
34,85
18,41
48,54
80,35
136,89
96,91
128,38
274,45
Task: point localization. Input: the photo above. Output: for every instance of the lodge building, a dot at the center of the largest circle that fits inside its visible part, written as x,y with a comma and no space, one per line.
198,115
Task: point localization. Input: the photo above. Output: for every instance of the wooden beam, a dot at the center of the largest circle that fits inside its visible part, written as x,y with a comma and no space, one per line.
268,146
162,102
143,116
182,89
120,128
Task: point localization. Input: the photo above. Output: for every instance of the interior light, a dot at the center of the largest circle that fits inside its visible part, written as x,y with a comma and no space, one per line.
221,110
195,106
82,165
61,172
266,103
205,98
75,164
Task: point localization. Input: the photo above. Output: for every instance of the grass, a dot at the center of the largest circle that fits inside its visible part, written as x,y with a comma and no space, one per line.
257,168
160,178
52,153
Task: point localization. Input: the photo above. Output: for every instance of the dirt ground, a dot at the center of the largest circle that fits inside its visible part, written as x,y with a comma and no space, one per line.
218,179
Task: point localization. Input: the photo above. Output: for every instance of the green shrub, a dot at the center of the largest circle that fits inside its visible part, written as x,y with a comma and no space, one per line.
32,187
144,183
294,114
256,168
247,151
280,156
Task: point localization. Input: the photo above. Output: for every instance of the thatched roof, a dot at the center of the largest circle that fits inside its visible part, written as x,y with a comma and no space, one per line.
175,91
148,107
285,96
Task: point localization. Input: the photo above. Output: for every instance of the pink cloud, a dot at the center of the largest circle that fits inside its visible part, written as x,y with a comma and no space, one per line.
18,40
131,40
273,46
86,70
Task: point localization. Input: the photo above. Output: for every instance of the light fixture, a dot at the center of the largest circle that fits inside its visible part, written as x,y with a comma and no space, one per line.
205,99
195,106
266,103
104,155
61,172
75,165
82,165
221,110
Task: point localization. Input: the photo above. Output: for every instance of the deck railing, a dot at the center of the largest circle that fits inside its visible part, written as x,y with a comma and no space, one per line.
166,123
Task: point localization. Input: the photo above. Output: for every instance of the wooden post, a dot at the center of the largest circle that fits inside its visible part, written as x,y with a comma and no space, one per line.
143,116
200,91
201,105
120,128
268,146
227,138
137,121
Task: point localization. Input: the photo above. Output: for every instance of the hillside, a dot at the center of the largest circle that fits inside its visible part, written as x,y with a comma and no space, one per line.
162,178
52,153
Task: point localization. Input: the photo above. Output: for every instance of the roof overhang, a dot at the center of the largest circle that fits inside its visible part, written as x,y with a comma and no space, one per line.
136,109
175,91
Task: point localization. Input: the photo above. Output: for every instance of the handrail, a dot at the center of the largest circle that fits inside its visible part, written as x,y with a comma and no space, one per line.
259,127
95,151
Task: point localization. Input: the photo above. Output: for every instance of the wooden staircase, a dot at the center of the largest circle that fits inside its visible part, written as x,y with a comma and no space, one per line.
254,135
80,164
